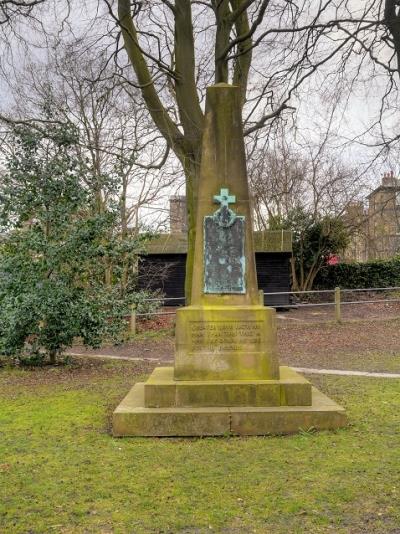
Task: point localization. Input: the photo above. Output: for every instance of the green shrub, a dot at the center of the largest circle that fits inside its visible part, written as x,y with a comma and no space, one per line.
58,254
315,237
360,275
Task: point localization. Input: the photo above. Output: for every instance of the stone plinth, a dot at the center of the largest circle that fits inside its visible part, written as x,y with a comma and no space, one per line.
226,343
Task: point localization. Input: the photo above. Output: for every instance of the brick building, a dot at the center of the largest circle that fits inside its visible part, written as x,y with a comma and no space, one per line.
375,231
384,219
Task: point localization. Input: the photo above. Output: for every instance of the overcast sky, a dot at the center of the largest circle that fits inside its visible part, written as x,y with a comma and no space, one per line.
352,118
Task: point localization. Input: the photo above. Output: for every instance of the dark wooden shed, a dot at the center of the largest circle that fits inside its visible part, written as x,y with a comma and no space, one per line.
163,266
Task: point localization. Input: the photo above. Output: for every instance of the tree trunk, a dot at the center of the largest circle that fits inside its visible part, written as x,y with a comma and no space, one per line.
392,22
192,175
124,235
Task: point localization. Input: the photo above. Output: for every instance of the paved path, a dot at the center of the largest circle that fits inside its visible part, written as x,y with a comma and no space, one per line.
306,370
345,373
113,357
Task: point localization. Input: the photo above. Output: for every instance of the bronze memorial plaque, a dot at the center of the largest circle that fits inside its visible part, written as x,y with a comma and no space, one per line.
224,255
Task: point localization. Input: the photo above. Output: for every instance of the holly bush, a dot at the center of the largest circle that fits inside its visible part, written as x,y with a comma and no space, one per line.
54,250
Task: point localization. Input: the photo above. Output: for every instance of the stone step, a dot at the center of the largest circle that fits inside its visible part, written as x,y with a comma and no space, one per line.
162,391
131,418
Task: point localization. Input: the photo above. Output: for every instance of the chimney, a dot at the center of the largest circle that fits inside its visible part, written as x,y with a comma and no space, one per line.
177,215
388,180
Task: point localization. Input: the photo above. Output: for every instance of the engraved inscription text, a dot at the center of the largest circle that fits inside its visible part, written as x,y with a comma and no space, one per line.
225,336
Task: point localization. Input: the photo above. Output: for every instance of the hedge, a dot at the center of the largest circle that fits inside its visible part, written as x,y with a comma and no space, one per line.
360,275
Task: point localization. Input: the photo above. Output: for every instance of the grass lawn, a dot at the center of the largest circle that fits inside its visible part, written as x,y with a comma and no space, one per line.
61,471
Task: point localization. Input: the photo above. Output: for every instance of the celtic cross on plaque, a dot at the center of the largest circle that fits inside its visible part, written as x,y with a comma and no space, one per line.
224,216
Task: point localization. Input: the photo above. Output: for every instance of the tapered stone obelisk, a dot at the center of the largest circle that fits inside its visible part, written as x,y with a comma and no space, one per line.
225,334
226,378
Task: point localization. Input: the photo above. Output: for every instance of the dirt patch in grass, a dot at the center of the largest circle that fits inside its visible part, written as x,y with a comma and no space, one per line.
78,371
361,345
357,345
149,346
350,312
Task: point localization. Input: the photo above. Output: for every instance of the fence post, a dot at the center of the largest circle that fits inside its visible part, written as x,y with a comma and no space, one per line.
338,312
132,323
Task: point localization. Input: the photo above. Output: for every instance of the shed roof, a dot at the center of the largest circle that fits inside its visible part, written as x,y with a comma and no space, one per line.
265,241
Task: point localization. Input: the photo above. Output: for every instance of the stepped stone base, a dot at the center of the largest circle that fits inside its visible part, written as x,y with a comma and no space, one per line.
162,391
183,407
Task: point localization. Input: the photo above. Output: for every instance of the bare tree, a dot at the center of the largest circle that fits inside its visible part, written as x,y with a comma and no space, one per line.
270,49
116,135
277,177
11,11
288,176
117,139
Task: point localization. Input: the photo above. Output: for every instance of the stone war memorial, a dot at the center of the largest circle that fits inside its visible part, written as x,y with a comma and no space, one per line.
226,379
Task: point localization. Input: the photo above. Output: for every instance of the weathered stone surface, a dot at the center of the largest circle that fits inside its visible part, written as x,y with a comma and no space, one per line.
223,165
323,414
160,395
226,343
208,393
132,419
295,389
161,390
